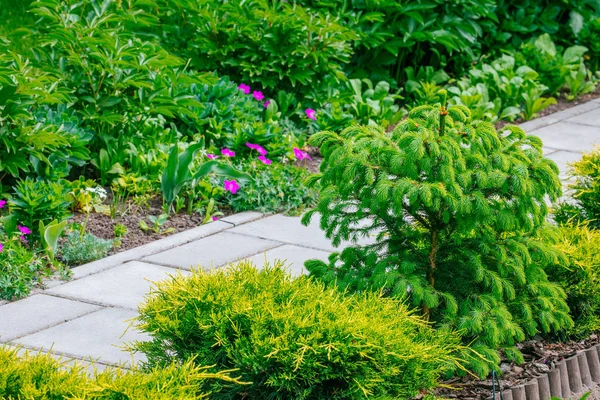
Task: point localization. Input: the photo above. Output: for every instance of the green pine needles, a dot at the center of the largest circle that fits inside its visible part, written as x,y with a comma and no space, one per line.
456,209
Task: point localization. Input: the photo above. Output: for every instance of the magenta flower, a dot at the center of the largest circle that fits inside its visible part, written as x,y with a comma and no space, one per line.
261,150
24,230
1,247
267,103
244,88
265,160
215,218
227,153
311,114
211,156
23,239
301,155
258,95
2,203
231,186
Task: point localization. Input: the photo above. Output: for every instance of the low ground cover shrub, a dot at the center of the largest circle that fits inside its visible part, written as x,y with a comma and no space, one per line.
293,338
83,247
585,192
41,376
580,276
456,209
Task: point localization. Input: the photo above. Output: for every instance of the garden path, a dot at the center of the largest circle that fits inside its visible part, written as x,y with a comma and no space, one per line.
87,318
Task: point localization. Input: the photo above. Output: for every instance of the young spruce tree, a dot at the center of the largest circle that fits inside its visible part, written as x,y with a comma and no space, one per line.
456,208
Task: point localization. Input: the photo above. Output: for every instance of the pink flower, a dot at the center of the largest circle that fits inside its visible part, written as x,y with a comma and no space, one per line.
211,156
265,160
1,247
261,150
301,155
2,203
267,103
24,230
231,186
311,114
244,88
24,240
227,153
215,218
258,95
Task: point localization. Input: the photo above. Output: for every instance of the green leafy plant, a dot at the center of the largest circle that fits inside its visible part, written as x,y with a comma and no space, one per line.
534,103
83,247
588,37
40,375
156,224
455,209
49,236
20,269
211,212
580,82
585,207
36,201
293,338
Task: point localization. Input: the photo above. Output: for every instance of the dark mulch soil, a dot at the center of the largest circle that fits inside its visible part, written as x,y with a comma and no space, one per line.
130,215
540,357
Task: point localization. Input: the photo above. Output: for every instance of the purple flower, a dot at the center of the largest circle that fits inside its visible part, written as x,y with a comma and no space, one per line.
267,103
311,114
258,95
215,218
23,239
265,160
261,150
24,230
244,88
227,153
231,186
2,203
301,155
211,156
1,247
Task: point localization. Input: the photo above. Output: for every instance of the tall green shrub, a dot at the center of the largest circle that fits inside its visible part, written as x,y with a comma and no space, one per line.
455,208
293,338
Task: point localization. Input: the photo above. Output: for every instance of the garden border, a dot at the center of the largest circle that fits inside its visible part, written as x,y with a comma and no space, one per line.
571,376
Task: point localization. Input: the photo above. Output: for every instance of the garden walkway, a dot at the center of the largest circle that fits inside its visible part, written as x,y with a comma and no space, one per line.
87,317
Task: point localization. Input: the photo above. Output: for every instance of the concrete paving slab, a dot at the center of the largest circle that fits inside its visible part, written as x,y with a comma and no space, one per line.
38,312
589,118
136,253
563,159
123,286
213,251
289,230
294,257
570,137
242,218
99,335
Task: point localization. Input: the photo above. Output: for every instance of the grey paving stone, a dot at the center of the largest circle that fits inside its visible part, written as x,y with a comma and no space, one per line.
150,248
546,151
122,286
99,336
290,231
563,159
570,137
294,257
531,126
242,218
38,312
588,118
213,251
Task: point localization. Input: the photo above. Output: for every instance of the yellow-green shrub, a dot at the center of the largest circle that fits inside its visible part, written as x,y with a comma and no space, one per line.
293,338
580,276
41,376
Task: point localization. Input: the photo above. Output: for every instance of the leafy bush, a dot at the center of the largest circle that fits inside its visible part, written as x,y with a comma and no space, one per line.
456,208
39,200
41,376
20,269
274,188
81,248
588,37
580,276
586,192
293,338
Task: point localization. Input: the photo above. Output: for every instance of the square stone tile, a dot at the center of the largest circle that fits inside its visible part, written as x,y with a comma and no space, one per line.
98,336
293,256
569,137
122,286
290,231
563,159
213,251
38,312
589,118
